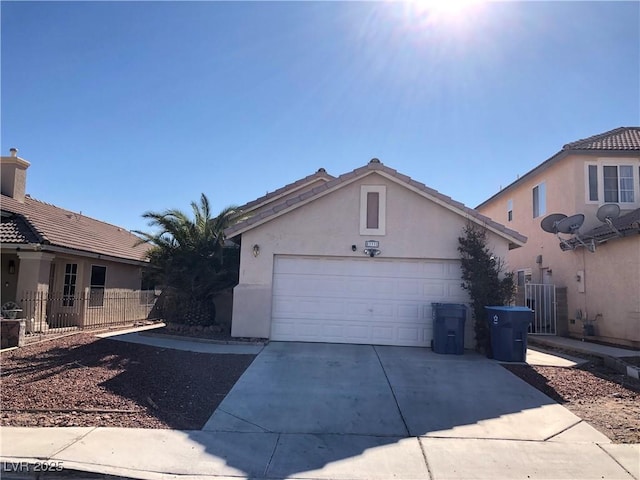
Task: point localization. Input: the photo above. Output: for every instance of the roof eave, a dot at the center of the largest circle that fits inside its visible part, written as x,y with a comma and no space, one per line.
39,247
515,239
556,158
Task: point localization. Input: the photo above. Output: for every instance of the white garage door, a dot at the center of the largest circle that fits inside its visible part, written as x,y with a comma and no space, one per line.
360,300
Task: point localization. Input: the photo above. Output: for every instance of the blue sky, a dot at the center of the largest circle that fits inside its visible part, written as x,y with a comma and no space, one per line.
124,107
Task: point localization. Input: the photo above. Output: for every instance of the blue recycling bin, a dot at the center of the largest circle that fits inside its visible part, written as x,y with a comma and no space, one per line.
508,328
448,328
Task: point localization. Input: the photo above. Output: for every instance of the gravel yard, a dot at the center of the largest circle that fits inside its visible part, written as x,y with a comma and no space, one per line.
81,380
607,400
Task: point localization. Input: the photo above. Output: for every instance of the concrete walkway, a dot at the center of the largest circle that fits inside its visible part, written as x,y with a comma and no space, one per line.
613,357
183,344
318,411
583,347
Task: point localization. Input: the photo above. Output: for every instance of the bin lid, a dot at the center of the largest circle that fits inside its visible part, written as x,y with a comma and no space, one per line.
506,308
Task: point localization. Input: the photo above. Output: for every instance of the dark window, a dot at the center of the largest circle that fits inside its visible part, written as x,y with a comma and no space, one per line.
69,288
593,183
373,209
509,210
610,175
98,278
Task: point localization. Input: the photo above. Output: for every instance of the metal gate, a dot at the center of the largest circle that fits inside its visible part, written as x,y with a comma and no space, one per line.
541,298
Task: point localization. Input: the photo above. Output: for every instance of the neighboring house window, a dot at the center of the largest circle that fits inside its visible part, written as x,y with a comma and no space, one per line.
69,288
523,277
509,210
618,183
98,277
608,182
539,200
373,209
593,183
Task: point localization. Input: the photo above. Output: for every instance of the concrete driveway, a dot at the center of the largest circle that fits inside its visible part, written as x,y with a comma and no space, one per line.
358,411
385,391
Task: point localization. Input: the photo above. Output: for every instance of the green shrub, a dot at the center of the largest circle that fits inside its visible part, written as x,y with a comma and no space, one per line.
484,279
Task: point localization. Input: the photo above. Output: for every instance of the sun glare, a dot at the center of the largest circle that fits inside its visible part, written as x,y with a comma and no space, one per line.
441,12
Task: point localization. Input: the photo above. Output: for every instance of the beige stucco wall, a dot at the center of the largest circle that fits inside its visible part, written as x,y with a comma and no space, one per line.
612,288
121,283
41,295
611,284
415,228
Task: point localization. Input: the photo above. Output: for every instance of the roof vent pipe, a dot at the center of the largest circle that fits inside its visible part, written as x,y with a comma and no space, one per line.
13,151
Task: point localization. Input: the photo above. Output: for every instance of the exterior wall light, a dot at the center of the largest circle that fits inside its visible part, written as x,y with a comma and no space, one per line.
256,250
11,267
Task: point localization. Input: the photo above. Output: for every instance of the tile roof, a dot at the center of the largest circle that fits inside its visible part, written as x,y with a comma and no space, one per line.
15,229
372,166
626,224
321,174
623,138
55,226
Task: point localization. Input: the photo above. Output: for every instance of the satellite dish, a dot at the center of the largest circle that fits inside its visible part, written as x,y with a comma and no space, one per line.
550,222
570,224
609,211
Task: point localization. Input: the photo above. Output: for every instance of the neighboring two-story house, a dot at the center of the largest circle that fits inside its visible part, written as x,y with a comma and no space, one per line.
599,263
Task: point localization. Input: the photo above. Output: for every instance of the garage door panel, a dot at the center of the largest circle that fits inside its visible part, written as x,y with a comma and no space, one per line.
410,334
382,334
360,300
408,288
433,269
434,289
409,311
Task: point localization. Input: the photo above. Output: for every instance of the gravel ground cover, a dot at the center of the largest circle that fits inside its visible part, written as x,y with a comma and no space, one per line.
81,380
604,398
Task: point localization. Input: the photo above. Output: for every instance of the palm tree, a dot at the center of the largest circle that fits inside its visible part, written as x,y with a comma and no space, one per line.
188,256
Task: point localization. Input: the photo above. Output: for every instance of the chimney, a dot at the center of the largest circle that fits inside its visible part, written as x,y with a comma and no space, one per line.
13,176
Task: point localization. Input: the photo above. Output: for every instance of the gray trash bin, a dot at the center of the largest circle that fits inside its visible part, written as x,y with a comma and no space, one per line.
508,328
448,328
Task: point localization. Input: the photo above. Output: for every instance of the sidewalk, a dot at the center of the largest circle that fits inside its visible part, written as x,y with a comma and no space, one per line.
167,454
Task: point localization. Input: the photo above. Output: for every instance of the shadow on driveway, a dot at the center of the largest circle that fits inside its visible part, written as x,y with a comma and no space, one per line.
316,404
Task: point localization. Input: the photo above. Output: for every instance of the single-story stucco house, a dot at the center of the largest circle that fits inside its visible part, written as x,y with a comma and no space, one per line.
357,258
62,268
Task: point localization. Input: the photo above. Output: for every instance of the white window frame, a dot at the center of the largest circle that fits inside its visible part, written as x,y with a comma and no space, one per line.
510,210
92,298
70,284
381,190
540,210
613,162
